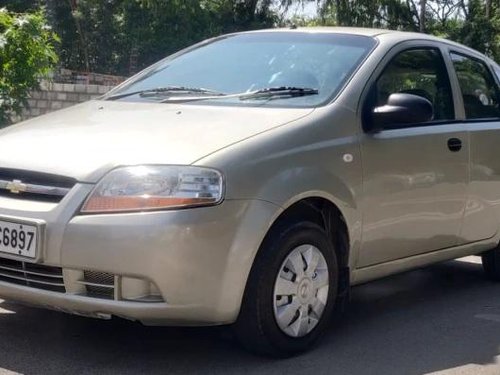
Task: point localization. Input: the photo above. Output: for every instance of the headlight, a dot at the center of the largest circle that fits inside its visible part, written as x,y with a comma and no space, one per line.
142,188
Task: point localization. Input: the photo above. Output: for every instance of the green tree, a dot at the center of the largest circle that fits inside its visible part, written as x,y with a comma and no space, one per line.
123,36
20,6
26,54
475,23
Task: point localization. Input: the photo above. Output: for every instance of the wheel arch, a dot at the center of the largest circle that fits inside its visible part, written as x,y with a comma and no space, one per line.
327,215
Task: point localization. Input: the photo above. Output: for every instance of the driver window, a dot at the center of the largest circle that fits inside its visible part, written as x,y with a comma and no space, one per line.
419,72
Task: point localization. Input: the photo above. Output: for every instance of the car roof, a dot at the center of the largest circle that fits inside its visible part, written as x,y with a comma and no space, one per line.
351,30
332,29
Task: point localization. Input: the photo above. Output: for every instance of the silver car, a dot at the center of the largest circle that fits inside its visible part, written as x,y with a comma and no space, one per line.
252,179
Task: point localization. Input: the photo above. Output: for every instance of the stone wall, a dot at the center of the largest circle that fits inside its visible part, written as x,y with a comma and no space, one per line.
71,76
54,96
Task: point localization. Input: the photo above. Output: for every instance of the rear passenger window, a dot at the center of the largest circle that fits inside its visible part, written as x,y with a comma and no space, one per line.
479,89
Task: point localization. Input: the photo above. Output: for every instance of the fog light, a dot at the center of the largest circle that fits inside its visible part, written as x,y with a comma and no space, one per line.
139,290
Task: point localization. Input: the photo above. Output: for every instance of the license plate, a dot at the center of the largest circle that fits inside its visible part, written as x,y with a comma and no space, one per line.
18,239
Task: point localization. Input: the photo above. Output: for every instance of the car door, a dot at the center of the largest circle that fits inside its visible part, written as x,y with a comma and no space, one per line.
481,116
415,176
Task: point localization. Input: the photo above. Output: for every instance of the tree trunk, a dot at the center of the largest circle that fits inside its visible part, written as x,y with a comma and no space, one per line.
74,8
338,11
252,8
423,4
51,11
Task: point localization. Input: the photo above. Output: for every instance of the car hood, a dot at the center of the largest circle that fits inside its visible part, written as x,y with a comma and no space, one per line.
87,140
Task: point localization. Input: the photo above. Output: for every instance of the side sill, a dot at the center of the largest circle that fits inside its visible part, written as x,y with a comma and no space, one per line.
366,274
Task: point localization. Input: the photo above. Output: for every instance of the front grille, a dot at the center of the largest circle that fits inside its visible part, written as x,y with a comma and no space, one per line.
99,284
33,275
29,185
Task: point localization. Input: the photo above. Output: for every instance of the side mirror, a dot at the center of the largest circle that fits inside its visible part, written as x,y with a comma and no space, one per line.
400,110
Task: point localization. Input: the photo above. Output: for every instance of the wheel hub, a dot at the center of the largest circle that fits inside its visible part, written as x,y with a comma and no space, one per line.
305,291
301,291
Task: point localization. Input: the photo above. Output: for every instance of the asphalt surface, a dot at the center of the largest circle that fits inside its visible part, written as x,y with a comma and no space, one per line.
443,319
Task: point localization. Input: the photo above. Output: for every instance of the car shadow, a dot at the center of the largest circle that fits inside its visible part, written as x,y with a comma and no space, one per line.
441,317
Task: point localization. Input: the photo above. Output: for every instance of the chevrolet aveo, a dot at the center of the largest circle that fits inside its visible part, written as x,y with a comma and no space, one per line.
252,179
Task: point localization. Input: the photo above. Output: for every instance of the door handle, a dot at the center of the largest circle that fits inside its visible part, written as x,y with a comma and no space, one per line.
454,144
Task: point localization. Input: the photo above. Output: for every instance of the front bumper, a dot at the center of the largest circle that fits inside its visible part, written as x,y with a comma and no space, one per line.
148,313
197,260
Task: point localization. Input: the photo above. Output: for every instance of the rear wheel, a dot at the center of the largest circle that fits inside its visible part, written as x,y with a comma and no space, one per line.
291,291
491,264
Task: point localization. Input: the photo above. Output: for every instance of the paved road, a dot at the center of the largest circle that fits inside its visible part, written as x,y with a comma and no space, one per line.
444,319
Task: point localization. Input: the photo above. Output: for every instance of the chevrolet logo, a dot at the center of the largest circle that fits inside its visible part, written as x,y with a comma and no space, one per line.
16,187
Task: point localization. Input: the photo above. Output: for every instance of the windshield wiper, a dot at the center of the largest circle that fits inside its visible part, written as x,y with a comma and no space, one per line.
268,93
279,92
166,90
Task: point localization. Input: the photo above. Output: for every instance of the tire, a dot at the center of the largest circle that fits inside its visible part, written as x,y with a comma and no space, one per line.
491,264
258,325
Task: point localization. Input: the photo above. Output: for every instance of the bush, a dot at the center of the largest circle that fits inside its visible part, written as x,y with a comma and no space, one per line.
26,54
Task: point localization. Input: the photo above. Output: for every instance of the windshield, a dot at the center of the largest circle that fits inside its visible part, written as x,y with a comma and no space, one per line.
248,62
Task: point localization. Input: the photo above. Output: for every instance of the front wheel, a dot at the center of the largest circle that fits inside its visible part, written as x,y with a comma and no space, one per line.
291,291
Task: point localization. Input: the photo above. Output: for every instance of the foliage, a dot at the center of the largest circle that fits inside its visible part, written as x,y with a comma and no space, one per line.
475,23
26,53
123,36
